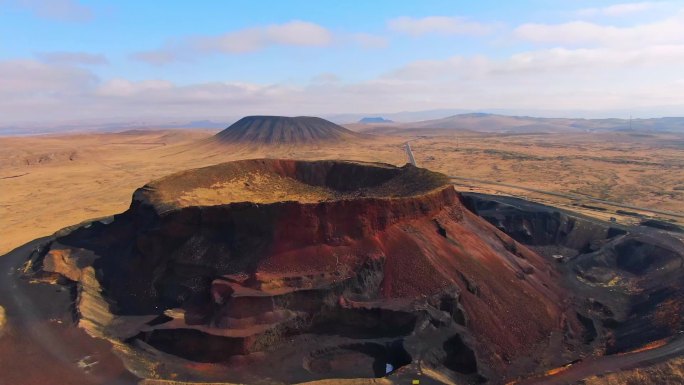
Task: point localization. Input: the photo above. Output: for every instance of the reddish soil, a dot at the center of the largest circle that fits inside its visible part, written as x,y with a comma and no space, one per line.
58,361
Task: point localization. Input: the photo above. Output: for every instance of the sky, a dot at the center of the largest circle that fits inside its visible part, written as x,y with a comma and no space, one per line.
69,61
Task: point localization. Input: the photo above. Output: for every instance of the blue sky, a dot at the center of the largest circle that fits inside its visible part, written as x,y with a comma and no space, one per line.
82,61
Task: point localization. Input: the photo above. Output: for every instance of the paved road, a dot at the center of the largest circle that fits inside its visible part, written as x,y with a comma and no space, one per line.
409,153
613,363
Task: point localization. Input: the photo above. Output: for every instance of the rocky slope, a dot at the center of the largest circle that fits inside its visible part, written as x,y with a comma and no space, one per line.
628,282
332,269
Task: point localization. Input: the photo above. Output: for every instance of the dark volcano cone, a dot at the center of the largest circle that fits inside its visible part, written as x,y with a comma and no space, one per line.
284,130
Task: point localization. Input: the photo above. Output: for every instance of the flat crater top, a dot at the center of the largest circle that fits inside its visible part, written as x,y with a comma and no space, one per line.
266,181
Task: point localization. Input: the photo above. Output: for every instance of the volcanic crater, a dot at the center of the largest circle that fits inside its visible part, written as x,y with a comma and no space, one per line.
284,271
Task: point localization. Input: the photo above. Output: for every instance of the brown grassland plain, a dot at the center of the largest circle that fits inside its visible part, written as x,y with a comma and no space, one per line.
50,182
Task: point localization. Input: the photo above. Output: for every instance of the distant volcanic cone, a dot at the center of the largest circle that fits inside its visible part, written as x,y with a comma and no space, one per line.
284,130
297,271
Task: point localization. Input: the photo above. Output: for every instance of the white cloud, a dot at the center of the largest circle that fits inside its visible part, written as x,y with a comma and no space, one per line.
123,87
561,79
26,78
555,78
556,58
617,10
440,25
63,10
554,61
63,57
32,91
666,31
293,33
142,95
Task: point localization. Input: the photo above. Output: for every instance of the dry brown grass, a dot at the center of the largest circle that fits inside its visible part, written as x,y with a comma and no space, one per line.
3,321
638,170
251,189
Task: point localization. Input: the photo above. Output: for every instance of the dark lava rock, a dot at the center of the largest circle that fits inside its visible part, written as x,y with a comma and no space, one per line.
628,279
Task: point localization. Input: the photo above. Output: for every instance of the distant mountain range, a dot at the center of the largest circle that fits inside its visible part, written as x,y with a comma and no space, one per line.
483,122
420,115
423,122
105,127
377,119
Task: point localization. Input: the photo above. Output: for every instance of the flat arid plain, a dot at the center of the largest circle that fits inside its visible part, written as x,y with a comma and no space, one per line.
52,181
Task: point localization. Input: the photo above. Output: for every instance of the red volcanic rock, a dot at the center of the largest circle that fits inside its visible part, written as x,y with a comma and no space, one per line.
324,264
